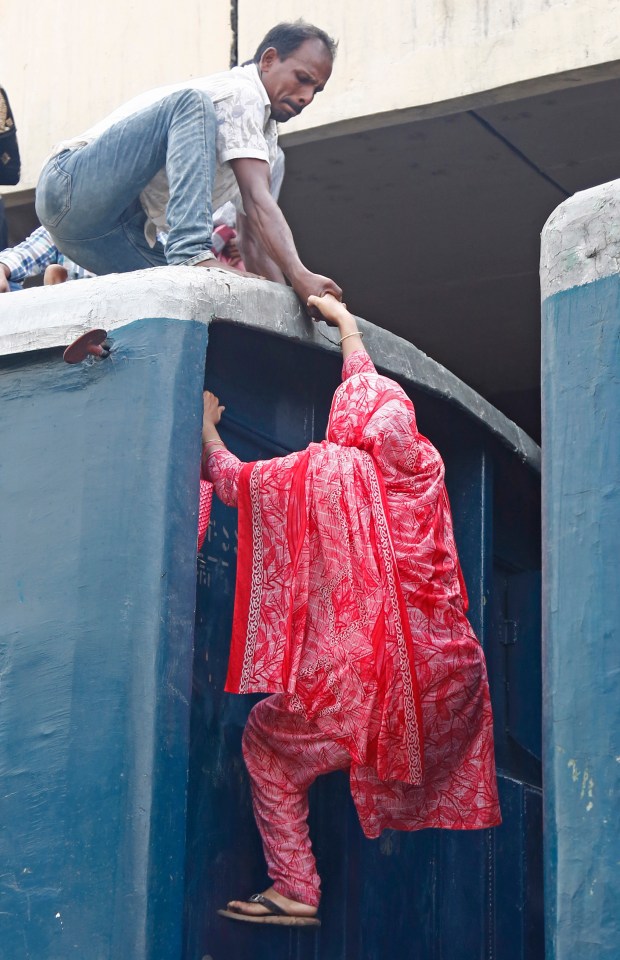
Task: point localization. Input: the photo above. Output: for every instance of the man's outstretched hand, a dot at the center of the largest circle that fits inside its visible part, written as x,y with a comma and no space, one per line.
314,284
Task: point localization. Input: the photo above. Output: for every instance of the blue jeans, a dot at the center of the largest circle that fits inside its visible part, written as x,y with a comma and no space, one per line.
88,197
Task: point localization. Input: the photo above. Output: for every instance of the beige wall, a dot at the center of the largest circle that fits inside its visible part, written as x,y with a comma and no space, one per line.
68,67
398,54
65,71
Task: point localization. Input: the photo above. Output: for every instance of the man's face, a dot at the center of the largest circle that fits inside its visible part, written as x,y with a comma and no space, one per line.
292,83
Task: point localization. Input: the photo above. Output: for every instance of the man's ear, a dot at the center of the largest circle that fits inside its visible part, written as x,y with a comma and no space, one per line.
268,58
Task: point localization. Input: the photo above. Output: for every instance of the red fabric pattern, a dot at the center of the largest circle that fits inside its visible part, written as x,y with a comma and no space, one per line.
318,612
350,601
284,754
204,510
222,235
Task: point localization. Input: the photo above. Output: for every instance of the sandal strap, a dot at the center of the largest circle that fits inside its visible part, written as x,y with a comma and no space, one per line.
266,902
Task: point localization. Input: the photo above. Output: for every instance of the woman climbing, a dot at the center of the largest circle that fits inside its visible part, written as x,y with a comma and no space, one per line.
350,609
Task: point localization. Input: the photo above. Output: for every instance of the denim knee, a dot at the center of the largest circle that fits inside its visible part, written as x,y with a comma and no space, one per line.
191,96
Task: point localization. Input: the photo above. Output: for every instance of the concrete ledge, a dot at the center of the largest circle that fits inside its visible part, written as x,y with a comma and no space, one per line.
581,240
40,319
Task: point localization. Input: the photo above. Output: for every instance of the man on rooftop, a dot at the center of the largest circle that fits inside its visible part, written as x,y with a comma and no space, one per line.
163,161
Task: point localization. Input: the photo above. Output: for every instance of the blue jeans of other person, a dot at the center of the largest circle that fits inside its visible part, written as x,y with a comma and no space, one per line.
88,197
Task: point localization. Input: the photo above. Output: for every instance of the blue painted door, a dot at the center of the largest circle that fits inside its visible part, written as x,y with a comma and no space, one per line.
98,480
102,858
433,895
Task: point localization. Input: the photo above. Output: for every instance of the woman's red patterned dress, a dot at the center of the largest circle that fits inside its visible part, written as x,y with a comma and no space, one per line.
350,607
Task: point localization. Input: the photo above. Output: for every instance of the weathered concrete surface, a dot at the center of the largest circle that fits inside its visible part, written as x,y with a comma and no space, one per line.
52,317
580,278
581,240
414,57
419,54
124,42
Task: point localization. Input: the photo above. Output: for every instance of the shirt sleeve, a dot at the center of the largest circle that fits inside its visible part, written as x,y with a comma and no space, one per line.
222,468
31,256
241,125
277,173
357,362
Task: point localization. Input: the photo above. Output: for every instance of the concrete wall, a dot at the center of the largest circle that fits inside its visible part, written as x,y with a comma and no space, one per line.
65,71
402,54
580,285
69,67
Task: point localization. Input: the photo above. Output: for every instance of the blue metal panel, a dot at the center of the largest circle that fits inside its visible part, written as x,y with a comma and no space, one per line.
101,746
465,895
469,478
433,895
581,604
98,522
517,870
513,660
521,640
224,857
392,895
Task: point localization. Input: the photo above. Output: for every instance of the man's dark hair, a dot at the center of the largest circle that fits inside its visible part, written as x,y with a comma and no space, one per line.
287,37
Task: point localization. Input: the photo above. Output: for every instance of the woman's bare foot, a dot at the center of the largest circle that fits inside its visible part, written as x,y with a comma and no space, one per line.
293,908
218,265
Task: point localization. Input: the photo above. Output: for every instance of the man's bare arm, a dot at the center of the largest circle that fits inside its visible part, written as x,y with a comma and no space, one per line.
253,253
270,229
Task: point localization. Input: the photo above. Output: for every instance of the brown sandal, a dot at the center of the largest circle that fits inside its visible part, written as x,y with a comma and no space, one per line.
276,914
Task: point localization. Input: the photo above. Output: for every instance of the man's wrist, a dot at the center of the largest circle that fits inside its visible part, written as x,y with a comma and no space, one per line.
5,269
297,274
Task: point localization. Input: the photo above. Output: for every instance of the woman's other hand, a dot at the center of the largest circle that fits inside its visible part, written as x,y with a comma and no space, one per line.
213,410
212,414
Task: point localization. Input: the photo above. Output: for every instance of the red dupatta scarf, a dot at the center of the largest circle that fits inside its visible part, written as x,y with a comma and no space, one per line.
319,611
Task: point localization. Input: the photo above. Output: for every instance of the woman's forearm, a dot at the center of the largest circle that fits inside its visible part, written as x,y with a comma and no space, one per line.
350,337
222,468
210,435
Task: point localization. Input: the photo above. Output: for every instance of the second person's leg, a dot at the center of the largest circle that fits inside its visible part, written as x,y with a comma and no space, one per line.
284,755
88,198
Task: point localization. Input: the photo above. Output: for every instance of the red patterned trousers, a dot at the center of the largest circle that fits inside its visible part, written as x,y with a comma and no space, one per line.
284,754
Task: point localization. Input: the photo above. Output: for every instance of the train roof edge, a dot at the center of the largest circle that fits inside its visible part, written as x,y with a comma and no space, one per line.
65,311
